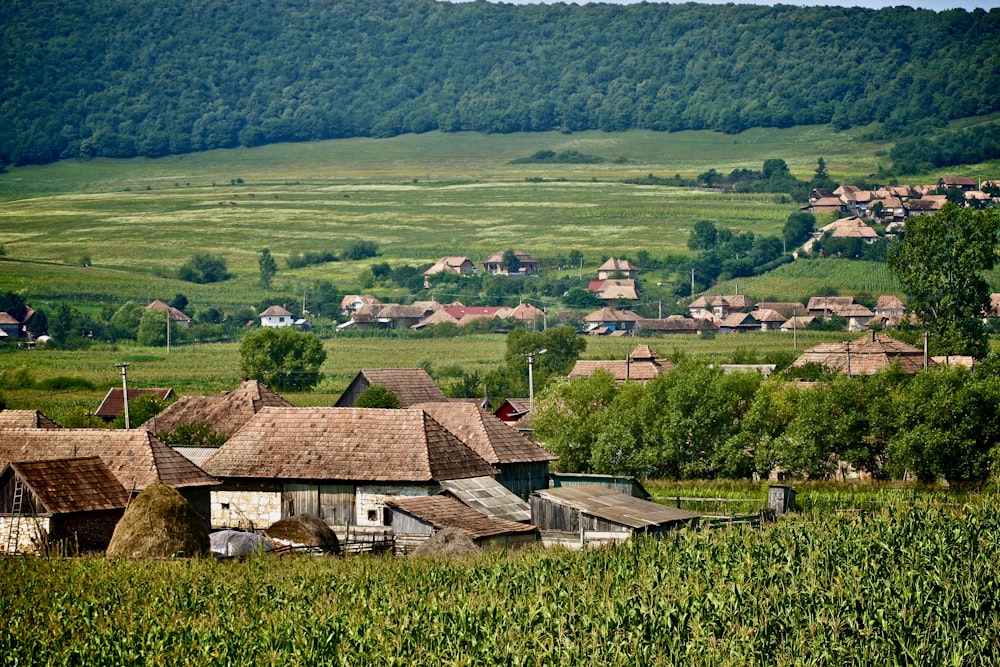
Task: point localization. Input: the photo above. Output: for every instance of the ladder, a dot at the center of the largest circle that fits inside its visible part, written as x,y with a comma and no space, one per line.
14,532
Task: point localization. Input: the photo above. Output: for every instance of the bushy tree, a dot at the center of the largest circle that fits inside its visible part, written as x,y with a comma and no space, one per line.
283,358
204,268
153,328
377,396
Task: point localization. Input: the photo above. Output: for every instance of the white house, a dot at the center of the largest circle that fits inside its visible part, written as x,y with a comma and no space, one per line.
276,316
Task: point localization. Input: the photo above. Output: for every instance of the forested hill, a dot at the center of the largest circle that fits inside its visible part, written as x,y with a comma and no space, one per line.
153,77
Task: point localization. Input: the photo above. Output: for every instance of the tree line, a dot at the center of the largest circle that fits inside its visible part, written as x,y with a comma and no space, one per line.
111,78
698,422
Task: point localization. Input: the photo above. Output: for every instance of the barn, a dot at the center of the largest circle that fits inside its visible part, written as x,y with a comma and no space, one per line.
416,519
595,514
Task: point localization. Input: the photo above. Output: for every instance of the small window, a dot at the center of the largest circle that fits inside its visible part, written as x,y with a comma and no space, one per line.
373,516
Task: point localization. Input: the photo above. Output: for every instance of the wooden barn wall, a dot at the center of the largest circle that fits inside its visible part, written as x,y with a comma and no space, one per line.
405,524
547,515
85,531
593,523
524,478
350,395
336,503
200,498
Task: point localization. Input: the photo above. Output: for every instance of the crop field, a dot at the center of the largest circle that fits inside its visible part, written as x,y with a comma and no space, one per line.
911,584
804,278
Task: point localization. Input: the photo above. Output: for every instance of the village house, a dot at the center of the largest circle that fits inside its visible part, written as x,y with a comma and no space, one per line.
352,302
342,464
866,356
277,316
641,365
963,183
889,304
608,321
739,323
174,314
452,265
64,506
136,457
410,385
10,326
523,465
389,315
786,308
825,306
617,268
114,403
223,414
612,290
797,322
527,265
719,307
768,318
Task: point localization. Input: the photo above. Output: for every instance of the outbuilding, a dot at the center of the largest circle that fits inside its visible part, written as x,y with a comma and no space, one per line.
416,519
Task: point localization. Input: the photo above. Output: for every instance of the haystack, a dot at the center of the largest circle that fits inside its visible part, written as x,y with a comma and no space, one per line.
306,529
160,523
447,543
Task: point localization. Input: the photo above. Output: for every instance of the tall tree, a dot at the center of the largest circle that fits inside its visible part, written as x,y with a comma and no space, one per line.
268,267
940,263
283,358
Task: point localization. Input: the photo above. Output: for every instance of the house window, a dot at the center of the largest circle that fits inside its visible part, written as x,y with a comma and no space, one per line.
373,516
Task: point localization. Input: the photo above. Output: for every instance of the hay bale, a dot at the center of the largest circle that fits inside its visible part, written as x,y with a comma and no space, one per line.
160,523
449,542
306,529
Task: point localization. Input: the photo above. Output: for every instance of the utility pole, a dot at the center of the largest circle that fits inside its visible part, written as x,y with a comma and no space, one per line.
692,283
124,368
168,334
531,377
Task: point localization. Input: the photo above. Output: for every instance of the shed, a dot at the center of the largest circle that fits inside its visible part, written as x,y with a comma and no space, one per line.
411,386
77,501
416,519
598,514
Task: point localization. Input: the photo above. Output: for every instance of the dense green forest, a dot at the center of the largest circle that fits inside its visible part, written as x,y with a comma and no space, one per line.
121,78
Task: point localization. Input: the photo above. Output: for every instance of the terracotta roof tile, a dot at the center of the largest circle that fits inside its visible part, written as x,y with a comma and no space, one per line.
226,413
25,419
72,485
865,356
487,436
136,457
359,444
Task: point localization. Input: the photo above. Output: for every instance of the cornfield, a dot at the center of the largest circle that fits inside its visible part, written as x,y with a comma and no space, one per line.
912,586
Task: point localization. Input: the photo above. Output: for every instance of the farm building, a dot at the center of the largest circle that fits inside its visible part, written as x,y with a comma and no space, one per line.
75,501
526,264
341,464
223,414
174,314
416,519
411,386
488,496
453,265
674,324
114,403
618,483
598,514
866,355
135,457
25,419
641,365
523,465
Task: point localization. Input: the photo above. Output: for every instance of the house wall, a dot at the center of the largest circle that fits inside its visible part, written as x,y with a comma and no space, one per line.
240,503
371,499
30,532
277,321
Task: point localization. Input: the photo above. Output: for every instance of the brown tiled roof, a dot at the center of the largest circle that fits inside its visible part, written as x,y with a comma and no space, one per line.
740,321
820,303
613,264
853,310
175,314
134,456
226,413
72,485
484,434
798,322
618,288
767,315
113,405
358,444
411,385
611,315
620,369
675,324
852,227
866,355
7,318
889,302
525,312
444,512
25,419
276,311
786,308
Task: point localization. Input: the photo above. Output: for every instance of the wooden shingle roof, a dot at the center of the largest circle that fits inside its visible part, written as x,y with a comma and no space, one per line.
487,436
136,457
226,413
63,486
443,512
113,403
865,356
411,385
356,444
25,419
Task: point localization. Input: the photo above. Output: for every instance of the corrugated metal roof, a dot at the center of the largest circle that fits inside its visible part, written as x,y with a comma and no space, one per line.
135,457
615,507
488,496
359,444
487,436
443,512
71,485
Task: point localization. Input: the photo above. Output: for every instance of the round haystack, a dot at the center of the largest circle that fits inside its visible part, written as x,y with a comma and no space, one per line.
160,523
447,543
306,529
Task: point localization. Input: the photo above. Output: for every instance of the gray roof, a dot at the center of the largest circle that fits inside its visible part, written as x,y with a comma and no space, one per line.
489,497
616,507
